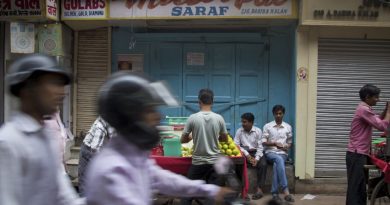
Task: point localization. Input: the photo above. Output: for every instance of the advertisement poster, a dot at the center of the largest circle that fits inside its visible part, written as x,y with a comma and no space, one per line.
51,9
22,37
49,39
84,9
20,8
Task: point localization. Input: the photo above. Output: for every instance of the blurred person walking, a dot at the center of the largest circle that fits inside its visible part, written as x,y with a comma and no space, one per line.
30,170
123,173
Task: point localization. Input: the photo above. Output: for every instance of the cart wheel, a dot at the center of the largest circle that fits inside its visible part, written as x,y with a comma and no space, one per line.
380,195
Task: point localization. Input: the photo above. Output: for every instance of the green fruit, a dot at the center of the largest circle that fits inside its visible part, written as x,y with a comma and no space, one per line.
235,152
225,146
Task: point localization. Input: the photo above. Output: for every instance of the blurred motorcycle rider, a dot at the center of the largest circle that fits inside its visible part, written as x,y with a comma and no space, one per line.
123,173
29,164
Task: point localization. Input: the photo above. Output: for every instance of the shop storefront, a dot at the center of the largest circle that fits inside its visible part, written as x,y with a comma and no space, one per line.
32,26
340,47
243,51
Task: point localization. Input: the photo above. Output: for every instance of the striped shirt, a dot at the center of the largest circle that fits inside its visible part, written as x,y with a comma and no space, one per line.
98,135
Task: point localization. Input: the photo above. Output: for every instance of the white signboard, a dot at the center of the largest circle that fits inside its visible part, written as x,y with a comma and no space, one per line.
195,59
51,9
84,9
201,8
165,9
22,37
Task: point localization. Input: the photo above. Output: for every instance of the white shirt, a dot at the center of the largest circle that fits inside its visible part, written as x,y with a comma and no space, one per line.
275,133
251,140
29,166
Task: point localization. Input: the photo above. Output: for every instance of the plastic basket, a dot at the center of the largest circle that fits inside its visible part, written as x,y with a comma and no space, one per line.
176,120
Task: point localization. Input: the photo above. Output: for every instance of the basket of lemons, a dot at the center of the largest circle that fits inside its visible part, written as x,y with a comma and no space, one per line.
229,148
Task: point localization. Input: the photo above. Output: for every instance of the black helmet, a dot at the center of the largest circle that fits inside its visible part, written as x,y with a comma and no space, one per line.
122,100
24,67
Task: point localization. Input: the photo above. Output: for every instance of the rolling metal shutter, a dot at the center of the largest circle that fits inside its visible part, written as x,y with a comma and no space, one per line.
344,66
93,67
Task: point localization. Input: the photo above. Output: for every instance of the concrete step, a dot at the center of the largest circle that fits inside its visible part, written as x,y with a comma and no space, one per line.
72,167
252,179
74,152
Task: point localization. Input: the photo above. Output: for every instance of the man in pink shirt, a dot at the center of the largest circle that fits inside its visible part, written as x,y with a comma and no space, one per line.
360,142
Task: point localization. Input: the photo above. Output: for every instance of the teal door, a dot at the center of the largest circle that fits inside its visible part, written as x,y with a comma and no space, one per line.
235,72
166,65
251,83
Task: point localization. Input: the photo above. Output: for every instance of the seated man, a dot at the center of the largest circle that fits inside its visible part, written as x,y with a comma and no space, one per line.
277,136
248,138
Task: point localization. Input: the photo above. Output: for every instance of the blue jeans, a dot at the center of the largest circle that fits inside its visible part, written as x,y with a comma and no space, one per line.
279,171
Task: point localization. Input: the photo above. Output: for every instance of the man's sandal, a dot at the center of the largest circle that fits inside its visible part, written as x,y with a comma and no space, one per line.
257,196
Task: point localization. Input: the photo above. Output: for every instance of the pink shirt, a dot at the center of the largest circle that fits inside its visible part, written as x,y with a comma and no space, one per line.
361,129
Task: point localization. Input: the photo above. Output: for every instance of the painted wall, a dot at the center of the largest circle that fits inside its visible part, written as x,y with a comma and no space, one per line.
306,91
281,60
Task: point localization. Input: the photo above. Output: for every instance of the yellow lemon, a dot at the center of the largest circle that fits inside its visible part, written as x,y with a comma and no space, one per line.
232,146
229,152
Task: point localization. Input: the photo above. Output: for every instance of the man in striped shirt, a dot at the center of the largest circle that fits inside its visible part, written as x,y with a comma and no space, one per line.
98,135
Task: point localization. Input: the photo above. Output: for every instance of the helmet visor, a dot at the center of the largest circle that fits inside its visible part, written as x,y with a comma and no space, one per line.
163,94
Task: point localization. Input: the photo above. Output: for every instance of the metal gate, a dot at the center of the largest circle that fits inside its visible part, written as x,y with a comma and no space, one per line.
93,67
344,66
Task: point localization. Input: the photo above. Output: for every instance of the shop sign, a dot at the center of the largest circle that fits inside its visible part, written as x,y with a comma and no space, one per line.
84,9
353,10
202,9
20,8
51,9
160,9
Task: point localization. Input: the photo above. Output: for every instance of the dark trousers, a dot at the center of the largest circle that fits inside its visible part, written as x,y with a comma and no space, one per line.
357,179
261,169
204,172
85,157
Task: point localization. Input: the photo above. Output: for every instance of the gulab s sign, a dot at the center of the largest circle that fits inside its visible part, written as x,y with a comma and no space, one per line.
80,9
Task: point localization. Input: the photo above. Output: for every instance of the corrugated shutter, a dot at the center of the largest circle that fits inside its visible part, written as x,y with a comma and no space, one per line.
344,66
93,56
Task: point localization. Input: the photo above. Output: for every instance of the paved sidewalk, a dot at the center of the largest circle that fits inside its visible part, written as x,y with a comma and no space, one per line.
318,200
